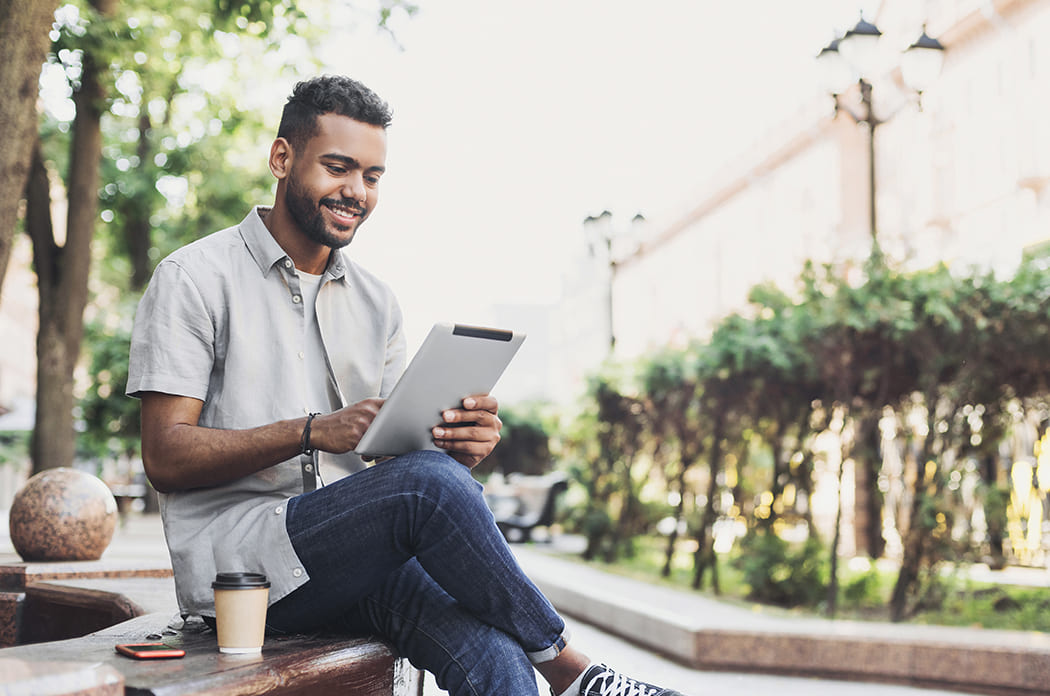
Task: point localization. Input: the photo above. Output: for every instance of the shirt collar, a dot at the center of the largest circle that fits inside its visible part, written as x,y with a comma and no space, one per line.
267,252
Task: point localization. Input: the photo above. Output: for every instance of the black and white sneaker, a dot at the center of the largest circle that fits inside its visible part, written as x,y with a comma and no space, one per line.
599,680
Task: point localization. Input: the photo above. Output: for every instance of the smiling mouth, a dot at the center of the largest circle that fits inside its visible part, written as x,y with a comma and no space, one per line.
346,214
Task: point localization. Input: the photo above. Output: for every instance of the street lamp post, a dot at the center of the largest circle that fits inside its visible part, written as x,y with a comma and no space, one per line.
853,60
601,226
601,232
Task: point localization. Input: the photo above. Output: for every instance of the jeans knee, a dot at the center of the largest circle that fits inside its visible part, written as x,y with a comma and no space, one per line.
429,470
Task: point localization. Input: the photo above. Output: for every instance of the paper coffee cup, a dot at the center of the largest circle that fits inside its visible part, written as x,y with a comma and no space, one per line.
240,611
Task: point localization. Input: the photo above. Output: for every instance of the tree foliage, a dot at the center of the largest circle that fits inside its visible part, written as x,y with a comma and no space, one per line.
525,442
149,138
932,367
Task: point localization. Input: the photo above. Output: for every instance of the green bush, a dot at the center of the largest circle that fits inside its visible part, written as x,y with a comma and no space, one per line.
778,573
995,607
865,590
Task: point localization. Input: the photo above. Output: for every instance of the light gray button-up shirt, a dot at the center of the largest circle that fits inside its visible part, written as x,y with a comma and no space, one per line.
223,321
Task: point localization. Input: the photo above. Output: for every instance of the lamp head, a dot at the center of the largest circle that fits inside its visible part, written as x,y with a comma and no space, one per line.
836,74
922,62
860,47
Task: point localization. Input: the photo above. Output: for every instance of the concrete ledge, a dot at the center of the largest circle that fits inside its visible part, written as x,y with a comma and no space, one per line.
16,575
1005,663
55,612
53,601
1005,671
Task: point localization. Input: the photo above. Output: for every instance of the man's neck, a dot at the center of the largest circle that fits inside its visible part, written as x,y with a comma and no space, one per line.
307,255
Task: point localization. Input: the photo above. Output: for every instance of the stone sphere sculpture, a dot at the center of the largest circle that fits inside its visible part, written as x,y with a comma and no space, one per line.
62,515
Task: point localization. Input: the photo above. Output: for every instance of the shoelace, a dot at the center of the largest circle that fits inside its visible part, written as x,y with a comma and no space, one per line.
611,683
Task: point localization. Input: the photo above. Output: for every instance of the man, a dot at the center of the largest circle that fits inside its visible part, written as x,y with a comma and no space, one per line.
262,344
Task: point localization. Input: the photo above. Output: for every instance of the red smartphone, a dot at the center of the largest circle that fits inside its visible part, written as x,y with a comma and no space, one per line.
149,651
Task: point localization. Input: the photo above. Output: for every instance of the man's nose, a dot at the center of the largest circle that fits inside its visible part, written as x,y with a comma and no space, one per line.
354,187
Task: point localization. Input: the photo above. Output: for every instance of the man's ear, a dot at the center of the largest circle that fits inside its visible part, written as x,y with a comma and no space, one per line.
281,156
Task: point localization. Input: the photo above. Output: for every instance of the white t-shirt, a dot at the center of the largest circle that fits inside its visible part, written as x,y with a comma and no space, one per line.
320,393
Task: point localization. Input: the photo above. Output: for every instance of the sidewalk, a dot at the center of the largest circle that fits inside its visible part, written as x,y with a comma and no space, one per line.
709,634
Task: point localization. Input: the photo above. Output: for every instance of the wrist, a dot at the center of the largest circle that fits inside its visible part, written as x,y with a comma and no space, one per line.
305,445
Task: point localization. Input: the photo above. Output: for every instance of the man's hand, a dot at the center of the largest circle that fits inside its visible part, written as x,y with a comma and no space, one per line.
469,434
340,431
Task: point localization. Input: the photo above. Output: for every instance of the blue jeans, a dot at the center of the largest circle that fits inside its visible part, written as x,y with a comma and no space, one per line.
408,550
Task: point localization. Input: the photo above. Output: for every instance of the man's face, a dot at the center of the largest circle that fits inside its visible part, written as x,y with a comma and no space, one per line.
333,184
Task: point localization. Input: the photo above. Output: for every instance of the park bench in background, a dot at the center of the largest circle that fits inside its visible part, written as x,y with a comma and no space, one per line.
128,496
522,503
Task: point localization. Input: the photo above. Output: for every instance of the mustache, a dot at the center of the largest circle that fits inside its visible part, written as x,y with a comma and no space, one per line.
356,206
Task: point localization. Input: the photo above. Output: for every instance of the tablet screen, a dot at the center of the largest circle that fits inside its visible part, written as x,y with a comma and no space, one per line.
455,361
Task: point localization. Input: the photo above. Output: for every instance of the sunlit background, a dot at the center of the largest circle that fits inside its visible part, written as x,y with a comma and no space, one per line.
516,121
613,177
714,122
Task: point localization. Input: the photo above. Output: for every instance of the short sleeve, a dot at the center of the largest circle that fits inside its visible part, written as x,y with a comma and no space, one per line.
173,339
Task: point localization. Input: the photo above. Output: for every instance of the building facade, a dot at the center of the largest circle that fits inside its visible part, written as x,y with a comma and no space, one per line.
961,177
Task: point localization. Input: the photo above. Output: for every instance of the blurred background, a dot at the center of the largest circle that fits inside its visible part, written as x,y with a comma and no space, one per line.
827,220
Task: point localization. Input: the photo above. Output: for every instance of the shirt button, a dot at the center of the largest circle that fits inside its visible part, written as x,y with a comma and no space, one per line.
308,467
278,510
287,263
302,355
296,299
297,572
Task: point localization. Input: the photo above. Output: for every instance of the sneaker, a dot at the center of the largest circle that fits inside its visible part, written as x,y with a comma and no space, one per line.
599,680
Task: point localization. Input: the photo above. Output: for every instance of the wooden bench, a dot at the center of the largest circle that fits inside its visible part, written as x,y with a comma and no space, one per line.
89,665
524,503
294,665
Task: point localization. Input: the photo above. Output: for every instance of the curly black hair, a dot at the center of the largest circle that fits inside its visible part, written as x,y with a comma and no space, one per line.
329,94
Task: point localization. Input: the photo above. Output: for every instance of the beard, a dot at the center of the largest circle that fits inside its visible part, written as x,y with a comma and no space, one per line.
307,215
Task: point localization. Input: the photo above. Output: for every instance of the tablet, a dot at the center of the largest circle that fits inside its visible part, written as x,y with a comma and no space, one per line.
454,362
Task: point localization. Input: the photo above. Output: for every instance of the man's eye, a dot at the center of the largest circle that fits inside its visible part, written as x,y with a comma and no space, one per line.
339,171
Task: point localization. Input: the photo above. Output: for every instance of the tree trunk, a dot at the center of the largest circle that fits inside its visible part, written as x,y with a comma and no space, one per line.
626,524
62,272
679,512
24,41
994,510
911,562
136,216
919,527
705,539
776,484
867,516
836,536
690,448
54,403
